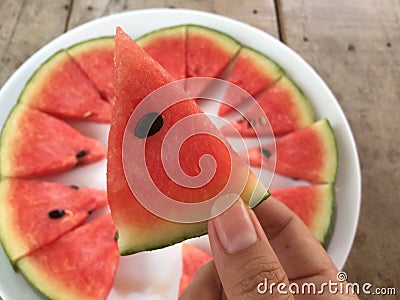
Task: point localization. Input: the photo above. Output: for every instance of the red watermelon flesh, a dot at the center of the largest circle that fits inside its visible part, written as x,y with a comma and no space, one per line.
253,72
314,204
192,260
209,51
36,144
24,213
138,228
79,265
308,153
285,107
96,58
59,87
168,47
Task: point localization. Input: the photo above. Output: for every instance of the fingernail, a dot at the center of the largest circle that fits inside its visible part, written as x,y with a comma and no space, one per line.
235,228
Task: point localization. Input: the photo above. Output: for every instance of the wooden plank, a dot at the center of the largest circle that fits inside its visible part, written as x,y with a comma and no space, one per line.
25,27
354,45
255,12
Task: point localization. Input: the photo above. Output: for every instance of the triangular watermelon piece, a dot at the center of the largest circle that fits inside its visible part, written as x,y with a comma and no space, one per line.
137,76
253,72
314,204
192,260
308,153
209,51
283,104
168,47
96,58
59,87
36,144
35,213
79,265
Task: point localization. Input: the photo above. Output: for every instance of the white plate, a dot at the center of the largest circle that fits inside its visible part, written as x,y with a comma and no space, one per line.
156,275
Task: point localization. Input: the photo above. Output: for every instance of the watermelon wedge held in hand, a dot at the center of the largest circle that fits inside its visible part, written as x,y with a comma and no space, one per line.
209,51
314,204
35,144
79,265
193,259
283,104
35,213
138,229
96,58
253,72
59,87
168,47
309,153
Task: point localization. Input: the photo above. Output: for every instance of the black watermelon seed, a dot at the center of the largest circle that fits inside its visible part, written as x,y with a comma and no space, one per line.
351,48
266,152
73,186
57,213
90,212
149,125
116,236
81,154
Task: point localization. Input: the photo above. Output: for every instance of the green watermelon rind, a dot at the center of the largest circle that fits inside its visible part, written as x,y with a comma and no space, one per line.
326,221
39,291
31,81
225,42
3,239
199,233
331,149
302,103
254,204
198,230
54,55
223,38
41,287
261,59
150,36
88,44
329,232
3,135
259,195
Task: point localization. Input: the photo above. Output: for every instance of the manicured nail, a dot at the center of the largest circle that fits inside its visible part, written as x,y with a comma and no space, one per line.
235,228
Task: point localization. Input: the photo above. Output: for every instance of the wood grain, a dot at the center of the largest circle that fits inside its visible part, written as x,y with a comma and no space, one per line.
354,45
261,14
26,26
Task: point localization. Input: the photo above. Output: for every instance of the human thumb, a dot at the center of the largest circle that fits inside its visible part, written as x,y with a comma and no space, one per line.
244,258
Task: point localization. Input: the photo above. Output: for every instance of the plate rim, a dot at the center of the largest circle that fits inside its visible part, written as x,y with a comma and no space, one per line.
72,36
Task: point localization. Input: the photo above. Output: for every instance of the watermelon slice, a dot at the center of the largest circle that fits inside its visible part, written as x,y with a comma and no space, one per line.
285,107
60,88
36,144
192,259
79,265
314,204
137,76
35,213
168,47
209,51
96,58
309,153
253,72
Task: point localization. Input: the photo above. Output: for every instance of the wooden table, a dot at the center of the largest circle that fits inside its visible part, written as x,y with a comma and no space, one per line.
353,44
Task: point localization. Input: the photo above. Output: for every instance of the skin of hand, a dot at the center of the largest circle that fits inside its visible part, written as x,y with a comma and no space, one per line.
270,243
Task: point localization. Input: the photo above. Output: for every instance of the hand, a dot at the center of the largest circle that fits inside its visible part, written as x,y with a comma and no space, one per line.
268,245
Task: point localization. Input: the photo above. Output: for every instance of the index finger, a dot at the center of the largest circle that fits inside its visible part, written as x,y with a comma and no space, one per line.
300,254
